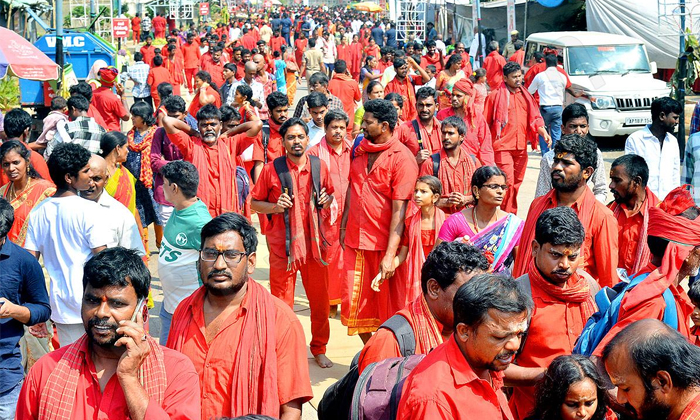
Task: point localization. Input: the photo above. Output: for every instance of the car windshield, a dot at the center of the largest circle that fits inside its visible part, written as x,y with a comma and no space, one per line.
615,59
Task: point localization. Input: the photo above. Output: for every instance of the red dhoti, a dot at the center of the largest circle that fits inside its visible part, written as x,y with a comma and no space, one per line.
514,164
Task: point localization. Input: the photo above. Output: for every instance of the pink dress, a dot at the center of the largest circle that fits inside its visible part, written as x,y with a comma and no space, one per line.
480,98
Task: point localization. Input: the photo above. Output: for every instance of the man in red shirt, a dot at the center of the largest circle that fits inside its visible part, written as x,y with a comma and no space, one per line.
629,175
345,88
649,352
137,377
446,268
136,28
157,75
430,140
515,119
335,150
382,178
247,40
246,345
148,51
268,146
574,162
159,24
276,42
404,85
215,67
493,63
490,316
214,156
432,57
455,167
173,64
191,56
478,138
295,235
300,46
83,89
111,107
387,59
559,292
519,56
238,61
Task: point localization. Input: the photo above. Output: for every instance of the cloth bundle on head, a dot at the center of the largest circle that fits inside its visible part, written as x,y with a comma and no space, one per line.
108,75
465,85
682,235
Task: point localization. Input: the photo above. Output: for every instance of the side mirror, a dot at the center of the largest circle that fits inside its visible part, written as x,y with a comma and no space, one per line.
652,65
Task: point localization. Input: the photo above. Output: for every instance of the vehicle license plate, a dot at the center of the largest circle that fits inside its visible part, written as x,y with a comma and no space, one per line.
637,120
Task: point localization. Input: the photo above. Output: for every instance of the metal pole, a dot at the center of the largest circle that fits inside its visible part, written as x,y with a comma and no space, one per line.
58,12
525,20
683,67
119,40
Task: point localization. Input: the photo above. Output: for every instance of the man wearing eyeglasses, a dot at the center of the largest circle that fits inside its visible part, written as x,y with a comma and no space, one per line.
294,235
247,346
179,251
574,162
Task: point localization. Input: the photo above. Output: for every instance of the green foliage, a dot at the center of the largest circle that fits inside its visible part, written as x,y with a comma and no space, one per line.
9,93
692,48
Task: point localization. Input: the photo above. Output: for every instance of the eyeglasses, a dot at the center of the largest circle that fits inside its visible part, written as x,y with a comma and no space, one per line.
230,257
496,186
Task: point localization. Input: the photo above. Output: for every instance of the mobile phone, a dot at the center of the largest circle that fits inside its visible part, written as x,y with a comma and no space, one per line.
139,307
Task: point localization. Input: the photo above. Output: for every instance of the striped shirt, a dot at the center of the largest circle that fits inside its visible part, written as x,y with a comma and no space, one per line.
691,165
302,110
83,131
138,72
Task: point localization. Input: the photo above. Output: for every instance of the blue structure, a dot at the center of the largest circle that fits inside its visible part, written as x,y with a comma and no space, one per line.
81,50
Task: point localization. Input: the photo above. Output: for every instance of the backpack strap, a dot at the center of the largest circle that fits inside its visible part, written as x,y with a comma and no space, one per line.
355,144
475,160
436,163
286,180
315,163
265,139
403,332
417,130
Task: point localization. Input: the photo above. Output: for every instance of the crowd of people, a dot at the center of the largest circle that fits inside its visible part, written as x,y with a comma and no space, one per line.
391,189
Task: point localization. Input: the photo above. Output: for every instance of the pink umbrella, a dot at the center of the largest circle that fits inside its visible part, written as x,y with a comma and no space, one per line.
23,59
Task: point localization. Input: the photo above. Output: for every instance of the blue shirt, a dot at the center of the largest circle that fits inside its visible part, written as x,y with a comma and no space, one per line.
22,283
378,35
281,76
391,38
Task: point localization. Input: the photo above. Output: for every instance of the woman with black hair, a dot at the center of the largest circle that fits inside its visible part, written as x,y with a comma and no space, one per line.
572,389
138,162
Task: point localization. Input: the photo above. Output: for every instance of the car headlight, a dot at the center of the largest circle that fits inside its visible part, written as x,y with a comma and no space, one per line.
602,102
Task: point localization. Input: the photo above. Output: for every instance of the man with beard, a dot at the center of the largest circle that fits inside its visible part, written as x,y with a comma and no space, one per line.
515,120
295,236
633,199
446,268
122,225
432,57
490,318
656,372
455,167
478,138
559,292
674,243
382,176
268,146
66,231
215,157
247,345
215,67
422,135
404,85
659,147
335,150
115,367
574,162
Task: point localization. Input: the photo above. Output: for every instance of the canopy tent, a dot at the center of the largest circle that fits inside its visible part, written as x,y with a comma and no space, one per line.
366,7
22,59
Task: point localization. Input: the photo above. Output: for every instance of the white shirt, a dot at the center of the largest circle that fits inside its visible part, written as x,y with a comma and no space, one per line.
664,163
441,46
122,224
234,34
474,48
257,87
65,230
551,85
315,134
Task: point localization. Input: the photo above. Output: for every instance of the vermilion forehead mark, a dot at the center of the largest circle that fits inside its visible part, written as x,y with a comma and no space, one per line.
104,299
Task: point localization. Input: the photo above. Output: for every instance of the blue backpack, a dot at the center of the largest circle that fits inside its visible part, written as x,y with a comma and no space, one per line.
608,301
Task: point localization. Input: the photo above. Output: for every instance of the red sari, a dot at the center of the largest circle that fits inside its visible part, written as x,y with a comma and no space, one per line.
36,191
420,243
355,64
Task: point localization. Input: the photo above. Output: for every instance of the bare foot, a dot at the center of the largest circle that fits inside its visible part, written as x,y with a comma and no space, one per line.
365,337
333,312
323,361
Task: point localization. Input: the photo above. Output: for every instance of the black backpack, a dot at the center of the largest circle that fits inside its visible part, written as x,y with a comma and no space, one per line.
337,399
265,139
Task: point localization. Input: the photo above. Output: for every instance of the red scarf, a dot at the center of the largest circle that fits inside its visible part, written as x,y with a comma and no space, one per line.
255,366
500,116
416,256
227,188
58,395
146,175
577,290
457,179
367,146
643,253
465,85
427,329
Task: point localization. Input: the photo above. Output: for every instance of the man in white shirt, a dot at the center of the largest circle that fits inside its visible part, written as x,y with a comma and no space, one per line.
67,230
474,49
122,225
318,107
550,85
659,147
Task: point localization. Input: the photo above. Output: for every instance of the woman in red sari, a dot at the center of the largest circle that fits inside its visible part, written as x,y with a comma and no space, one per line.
355,52
423,223
26,188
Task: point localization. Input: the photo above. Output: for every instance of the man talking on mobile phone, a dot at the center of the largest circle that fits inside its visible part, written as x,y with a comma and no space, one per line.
116,367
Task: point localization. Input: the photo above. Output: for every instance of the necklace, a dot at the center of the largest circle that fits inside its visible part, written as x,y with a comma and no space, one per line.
476,221
14,194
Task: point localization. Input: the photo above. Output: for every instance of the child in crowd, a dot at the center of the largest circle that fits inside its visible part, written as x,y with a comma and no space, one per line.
58,114
479,80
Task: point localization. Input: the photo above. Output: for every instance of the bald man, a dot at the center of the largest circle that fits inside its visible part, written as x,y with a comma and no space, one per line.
656,371
251,71
122,225
268,81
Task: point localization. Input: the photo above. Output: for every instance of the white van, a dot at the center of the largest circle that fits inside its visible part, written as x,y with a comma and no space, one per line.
614,73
